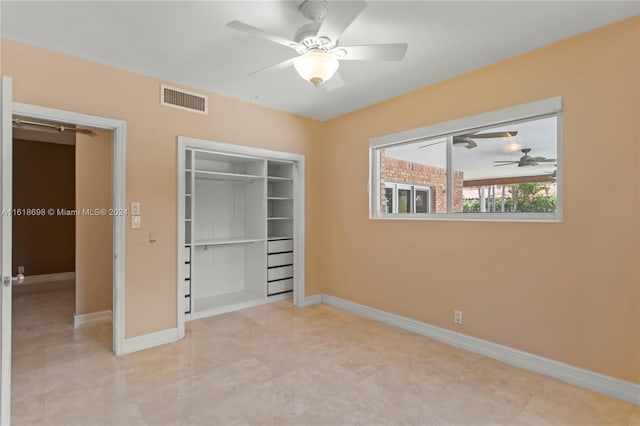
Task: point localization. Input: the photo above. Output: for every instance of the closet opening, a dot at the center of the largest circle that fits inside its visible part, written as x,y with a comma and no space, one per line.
240,228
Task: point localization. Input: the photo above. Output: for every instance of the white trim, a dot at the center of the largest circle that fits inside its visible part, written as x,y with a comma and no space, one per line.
119,129
146,341
94,317
6,147
299,230
181,239
316,299
474,217
596,382
47,278
560,170
518,112
184,143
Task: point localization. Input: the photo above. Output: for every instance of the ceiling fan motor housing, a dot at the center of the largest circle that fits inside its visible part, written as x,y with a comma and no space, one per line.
307,35
315,10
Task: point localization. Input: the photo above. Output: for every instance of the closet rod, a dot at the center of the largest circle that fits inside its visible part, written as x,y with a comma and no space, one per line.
228,180
51,126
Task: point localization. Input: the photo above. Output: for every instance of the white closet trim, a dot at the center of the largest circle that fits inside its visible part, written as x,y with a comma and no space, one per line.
197,145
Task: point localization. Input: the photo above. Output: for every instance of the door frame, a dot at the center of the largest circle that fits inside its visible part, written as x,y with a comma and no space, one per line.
5,250
119,129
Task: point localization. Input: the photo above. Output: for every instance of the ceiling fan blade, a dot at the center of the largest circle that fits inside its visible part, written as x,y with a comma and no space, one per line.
465,141
543,160
341,14
431,144
372,52
249,29
493,135
333,83
277,67
505,164
506,161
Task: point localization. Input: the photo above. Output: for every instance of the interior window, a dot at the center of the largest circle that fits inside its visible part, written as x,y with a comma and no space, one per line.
507,170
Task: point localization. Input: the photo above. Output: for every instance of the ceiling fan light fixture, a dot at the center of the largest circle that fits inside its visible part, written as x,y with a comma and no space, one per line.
512,146
316,66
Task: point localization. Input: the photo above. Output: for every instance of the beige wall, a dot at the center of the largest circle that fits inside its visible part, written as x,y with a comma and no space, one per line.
43,178
567,291
94,234
59,81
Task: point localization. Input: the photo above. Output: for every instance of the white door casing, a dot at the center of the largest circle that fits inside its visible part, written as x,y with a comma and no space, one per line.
119,129
6,159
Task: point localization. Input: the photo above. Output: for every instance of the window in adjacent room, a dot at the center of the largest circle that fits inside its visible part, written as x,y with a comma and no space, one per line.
402,198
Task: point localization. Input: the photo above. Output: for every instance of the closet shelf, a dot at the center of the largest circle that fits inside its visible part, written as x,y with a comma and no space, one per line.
226,241
279,237
232,177
279,218
278,179
280,198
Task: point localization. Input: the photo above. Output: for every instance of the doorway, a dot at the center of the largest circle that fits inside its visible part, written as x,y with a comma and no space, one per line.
118,130
62,230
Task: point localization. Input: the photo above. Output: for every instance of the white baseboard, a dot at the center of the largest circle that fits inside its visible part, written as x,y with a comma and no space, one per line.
92,318
47,278
146,341
316,299
596,382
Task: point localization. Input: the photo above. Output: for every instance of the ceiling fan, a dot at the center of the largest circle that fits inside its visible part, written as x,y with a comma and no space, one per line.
317,43
554,174
468,140
525,160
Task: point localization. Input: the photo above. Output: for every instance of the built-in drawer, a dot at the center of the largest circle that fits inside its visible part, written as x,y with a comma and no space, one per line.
187,271
279,273
275,287
280,259
279,246
187,288
187,304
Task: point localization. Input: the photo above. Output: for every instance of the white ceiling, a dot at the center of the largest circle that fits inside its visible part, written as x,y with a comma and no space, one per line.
188,43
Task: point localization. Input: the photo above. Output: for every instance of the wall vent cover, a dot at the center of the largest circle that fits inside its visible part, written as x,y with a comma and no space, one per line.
178,98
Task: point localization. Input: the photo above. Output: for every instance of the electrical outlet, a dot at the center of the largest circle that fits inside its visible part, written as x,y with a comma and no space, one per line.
135,208
21,269
135,222
457,317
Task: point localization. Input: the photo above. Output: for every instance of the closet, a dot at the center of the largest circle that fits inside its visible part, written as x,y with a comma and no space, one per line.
238,222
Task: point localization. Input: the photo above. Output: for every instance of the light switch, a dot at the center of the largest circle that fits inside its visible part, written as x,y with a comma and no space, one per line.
135,222
135,208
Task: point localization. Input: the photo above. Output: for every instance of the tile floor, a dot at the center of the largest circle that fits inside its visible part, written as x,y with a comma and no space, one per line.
276,365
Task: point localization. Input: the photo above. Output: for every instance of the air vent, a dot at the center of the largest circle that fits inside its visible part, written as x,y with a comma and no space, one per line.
178,98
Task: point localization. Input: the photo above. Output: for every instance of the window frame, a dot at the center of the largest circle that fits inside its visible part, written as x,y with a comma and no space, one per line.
395,186
551,107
